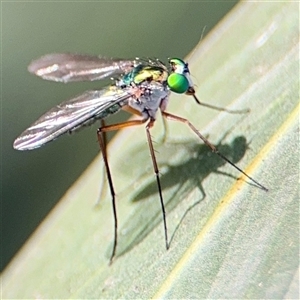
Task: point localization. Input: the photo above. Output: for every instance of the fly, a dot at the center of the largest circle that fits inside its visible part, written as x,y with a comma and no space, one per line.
142,87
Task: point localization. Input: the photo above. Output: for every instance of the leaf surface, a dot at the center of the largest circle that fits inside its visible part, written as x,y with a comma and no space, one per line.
229,239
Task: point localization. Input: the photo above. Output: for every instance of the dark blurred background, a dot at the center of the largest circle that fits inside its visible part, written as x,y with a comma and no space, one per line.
33,181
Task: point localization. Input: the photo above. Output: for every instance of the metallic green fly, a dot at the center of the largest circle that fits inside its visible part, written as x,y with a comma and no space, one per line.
141,87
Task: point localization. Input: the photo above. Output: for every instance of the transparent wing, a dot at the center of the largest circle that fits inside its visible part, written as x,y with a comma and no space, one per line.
72,114
64,67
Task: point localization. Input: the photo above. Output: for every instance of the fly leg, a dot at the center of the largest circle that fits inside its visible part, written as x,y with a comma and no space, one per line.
100,133
191,92
156,171
211,146
102,183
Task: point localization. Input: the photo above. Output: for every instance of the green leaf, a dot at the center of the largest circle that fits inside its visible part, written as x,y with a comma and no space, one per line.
229,239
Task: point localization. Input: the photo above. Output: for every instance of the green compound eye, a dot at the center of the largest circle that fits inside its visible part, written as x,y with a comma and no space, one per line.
178,83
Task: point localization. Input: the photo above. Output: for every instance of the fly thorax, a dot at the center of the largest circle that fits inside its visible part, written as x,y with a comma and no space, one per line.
149,101
149,74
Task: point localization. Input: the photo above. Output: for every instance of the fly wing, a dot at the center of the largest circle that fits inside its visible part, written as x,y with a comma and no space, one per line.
65,67
72,114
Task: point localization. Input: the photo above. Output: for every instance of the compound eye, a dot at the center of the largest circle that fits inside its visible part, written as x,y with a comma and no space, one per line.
178,83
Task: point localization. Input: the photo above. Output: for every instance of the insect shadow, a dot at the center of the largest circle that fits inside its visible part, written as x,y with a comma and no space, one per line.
178,180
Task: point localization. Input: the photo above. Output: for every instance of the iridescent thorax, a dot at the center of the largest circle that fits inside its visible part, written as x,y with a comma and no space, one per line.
146,71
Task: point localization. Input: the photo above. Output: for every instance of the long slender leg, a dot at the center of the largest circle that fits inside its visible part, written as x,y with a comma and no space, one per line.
191,92
102,184
165,130
212,147
156,171
102,145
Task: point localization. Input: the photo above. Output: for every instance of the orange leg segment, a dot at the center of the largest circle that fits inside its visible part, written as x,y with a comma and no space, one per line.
102,145
211,146
100,134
